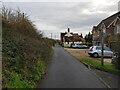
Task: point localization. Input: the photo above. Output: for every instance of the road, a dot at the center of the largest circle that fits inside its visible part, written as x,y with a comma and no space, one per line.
65,71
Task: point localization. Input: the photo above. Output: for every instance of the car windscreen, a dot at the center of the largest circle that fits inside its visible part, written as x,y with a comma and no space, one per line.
107,49
78,44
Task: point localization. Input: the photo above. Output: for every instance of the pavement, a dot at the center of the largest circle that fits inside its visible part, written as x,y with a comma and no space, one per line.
65,71
109,79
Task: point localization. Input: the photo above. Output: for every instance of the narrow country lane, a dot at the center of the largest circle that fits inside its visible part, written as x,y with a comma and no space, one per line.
65,71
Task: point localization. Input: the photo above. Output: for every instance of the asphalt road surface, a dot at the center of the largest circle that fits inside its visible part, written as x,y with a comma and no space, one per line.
65,71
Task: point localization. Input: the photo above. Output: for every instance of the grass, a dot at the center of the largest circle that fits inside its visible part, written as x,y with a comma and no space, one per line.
15,81
95,62
106,67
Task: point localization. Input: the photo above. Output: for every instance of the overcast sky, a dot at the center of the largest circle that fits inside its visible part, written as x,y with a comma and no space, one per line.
56,16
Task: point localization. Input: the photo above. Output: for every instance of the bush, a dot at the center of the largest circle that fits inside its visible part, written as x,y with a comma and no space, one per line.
25,52
116,48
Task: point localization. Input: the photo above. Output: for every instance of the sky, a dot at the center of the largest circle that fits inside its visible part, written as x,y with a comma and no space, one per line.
55,16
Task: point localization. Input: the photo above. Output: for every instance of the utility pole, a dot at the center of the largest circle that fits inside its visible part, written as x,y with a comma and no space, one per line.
51,35
102,49
102,46
55,36
23,15
118,6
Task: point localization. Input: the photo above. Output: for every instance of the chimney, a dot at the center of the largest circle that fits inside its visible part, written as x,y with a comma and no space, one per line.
68,29
118,6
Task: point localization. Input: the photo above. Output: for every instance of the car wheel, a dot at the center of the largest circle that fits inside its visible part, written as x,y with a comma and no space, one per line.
95,55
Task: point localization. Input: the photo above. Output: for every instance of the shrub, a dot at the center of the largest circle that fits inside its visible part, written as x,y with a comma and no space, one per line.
25,52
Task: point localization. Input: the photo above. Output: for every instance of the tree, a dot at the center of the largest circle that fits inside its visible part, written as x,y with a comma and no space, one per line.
88,38
81,35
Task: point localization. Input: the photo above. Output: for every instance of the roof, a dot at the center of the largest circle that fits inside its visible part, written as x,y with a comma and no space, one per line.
109,20
71,37
68,35
75,34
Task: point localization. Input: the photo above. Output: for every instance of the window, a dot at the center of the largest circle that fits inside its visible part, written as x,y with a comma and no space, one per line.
98,48
118,28
104,30
107,49
91,47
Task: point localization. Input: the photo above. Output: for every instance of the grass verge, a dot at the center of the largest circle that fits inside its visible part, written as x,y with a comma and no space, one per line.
106,67
94,62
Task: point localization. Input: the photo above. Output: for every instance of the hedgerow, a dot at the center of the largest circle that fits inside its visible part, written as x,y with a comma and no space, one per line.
25,52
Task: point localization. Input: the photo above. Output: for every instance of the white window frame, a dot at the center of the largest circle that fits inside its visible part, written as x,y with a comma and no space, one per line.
118,28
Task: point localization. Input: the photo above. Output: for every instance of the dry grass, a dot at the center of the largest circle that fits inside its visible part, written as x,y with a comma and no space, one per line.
82,55
95,62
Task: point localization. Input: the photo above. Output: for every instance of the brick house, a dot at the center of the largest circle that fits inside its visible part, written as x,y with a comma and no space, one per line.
108,28
68,38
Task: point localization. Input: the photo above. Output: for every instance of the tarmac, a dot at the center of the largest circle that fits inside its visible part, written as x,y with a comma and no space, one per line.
109,79
65,71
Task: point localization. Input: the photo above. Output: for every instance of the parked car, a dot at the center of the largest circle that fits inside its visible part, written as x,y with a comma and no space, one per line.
78,46
95,51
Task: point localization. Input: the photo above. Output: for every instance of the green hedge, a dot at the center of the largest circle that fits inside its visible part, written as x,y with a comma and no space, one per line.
25,54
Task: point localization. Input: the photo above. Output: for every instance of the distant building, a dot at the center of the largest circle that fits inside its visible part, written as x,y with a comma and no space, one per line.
68,38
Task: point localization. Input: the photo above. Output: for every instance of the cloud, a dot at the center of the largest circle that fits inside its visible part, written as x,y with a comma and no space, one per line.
96,1
56,17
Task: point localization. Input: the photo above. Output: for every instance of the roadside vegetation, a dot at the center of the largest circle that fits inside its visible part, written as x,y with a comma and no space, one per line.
94,62
25,52
88,39
97,64
115,45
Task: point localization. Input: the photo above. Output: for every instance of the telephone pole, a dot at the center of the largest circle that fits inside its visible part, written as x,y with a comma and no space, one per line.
102,45
102,51
55,36
51,35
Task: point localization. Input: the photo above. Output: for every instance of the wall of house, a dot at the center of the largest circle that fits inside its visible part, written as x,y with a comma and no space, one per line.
68,45
96,36
118,26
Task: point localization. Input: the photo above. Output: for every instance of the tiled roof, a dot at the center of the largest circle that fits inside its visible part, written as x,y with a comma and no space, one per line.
75,37
109,20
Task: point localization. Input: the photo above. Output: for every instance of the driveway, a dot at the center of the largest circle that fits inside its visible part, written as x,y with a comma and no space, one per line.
65,71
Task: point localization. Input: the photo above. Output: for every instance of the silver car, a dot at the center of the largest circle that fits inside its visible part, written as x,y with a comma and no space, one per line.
78,46
95,51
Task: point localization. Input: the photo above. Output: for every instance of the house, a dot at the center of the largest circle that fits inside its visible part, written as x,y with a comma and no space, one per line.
108,29
68,38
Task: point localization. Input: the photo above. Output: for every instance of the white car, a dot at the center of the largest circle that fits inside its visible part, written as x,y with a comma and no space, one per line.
78,46
95,51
